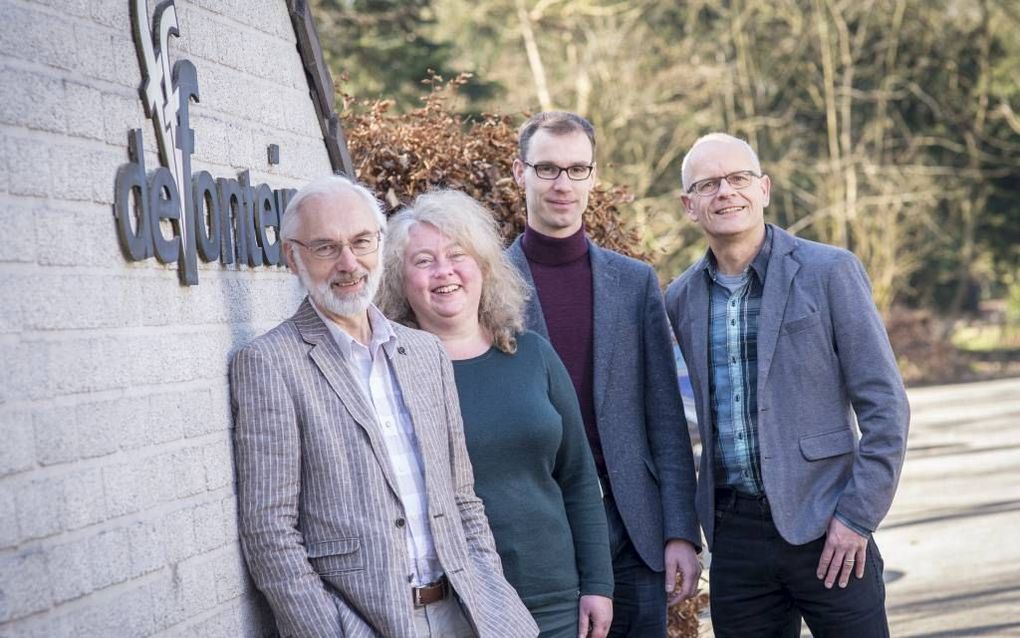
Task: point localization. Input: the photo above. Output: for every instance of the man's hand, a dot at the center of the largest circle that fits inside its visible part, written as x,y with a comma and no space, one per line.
844,552
681,557
595,614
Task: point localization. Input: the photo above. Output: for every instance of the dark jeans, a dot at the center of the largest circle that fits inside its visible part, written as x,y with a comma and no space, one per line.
639,594
761,585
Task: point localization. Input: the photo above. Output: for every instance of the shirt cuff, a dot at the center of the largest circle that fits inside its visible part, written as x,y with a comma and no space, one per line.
863,531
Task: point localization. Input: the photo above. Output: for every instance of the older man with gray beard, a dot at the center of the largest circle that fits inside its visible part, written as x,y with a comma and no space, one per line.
357,510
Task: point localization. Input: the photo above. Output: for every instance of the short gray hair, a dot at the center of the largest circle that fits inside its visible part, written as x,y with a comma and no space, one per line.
713,137
327,186
463,219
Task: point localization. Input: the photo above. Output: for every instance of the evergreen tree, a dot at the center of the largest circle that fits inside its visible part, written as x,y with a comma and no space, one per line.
385,48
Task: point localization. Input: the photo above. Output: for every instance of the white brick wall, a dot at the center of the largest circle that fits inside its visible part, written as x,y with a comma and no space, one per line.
117,509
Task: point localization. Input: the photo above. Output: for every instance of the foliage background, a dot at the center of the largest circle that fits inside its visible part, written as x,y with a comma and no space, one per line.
890,127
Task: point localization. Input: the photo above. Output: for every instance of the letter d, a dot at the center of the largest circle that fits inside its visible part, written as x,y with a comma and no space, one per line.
135,238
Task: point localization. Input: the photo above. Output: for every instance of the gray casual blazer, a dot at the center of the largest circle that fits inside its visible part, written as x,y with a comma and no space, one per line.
322,527
638,410
823,358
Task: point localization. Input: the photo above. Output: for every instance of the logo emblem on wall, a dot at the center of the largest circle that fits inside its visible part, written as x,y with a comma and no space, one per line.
215,219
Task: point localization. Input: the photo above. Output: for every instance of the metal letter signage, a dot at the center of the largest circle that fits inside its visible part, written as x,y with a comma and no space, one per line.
169,213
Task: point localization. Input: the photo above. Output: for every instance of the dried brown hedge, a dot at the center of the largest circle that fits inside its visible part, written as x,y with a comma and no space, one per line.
402,155
682,618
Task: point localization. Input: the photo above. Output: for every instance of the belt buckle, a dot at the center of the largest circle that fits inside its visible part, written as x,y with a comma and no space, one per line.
440,585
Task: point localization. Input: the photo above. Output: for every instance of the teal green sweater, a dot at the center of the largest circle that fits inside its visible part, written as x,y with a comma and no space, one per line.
534,472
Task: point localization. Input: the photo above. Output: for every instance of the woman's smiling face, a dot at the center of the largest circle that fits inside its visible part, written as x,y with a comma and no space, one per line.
442,280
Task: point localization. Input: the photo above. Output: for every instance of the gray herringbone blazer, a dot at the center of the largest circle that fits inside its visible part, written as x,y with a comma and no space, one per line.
823,357
321,524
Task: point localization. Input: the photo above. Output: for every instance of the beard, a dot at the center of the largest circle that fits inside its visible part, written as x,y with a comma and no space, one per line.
326,298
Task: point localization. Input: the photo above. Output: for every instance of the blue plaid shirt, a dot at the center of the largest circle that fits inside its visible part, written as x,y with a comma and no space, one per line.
733,331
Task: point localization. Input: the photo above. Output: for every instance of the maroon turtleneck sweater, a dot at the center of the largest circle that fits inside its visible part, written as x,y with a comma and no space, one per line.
562,273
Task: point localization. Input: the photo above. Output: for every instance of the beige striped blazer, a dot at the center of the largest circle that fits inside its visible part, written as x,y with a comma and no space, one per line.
320,520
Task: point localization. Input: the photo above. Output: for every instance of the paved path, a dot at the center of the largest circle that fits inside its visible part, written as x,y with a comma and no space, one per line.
952,539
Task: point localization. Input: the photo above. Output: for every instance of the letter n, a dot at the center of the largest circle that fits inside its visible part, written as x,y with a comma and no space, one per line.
232,229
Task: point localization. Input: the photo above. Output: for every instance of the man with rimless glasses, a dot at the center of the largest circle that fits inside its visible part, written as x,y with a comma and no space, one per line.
357,510
801,410
604,315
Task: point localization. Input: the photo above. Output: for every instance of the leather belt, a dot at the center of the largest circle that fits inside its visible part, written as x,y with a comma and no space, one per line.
431,593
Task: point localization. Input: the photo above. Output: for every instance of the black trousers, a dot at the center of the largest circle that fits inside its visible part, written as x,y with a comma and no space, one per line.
761,586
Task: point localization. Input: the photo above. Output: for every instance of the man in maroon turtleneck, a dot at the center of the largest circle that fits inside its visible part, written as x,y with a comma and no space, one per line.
604,315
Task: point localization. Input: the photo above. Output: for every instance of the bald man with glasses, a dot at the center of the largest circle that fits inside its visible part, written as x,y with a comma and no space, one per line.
801,409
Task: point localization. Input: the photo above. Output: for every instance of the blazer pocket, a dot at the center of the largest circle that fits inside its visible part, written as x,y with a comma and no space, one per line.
800,324
829,444
336,556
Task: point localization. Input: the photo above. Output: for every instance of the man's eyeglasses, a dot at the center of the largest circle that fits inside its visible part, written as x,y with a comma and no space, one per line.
326,250
576,173
710,186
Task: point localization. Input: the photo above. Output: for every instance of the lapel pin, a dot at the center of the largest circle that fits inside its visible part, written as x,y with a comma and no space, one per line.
401,350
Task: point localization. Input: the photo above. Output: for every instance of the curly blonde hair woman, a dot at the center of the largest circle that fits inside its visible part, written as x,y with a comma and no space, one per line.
445,273
461,218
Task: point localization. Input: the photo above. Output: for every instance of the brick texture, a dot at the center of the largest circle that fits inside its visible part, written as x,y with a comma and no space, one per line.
117,510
